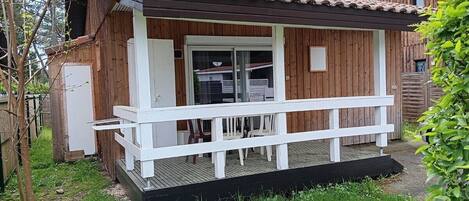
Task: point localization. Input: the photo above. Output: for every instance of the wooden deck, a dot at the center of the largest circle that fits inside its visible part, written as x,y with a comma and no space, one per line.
174,175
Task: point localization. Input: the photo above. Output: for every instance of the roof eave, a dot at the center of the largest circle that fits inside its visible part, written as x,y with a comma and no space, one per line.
281,13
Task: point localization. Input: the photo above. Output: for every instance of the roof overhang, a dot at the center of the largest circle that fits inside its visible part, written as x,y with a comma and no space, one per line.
281,12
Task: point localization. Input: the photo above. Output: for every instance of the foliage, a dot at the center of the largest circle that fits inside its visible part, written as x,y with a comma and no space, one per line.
80,180
447,154
37,88
366,190
409,130
31,88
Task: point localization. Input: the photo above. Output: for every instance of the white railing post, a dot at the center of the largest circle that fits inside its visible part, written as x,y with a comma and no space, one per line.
129,158
278,51
142,71
379,58
334,143
219,157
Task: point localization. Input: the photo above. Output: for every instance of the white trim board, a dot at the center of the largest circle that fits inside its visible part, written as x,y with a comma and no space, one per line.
227,40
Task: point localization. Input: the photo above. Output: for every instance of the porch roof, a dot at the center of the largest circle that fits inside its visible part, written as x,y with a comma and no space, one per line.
364,14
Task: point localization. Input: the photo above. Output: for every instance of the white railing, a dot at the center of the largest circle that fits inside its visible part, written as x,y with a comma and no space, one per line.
135,118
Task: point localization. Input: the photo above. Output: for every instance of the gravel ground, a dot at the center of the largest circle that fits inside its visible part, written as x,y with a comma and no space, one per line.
412,180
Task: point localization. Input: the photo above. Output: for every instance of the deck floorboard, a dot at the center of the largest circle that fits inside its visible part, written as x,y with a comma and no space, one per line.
177,172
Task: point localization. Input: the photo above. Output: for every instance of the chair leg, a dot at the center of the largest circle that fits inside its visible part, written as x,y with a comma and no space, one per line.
269,153
241,156
262,150
189,141
201,141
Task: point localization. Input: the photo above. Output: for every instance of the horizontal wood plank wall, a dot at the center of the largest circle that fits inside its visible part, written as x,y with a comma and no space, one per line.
349,73
81,54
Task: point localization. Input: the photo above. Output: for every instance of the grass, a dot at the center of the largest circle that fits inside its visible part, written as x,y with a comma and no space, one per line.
81,180
410,130
366,190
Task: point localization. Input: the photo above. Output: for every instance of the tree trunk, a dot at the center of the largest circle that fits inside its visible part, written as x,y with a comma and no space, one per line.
24,145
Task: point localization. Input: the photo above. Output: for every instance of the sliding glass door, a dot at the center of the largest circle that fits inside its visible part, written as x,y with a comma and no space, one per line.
230,74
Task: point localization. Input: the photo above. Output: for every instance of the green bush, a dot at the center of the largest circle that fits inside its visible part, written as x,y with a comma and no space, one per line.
31,88
446,156
37,88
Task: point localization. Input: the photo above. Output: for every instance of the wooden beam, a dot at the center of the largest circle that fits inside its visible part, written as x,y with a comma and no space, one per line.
278,51
334,144
281,13
219,146
379,59
248,108
145,131
217,133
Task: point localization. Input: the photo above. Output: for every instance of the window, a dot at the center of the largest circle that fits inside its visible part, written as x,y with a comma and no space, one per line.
420,65
419,3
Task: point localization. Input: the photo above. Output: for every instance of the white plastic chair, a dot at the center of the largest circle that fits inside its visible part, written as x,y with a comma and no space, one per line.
266,128
233,133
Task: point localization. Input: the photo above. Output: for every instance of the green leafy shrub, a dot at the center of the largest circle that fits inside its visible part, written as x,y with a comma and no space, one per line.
31,88
446,156
37,88
2,89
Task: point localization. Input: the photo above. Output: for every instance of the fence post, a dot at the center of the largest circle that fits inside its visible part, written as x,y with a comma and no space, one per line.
334,142
217,135
2,181
28,114
35,115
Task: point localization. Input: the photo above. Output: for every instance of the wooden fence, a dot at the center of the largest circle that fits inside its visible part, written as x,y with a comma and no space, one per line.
418,93
8,149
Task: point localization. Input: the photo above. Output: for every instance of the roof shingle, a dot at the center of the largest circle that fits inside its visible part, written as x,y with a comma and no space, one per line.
361,4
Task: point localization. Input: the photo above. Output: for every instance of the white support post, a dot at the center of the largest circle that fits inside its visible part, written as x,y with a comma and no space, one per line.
129,158
379,58
142,71
278,51
334,144
219,157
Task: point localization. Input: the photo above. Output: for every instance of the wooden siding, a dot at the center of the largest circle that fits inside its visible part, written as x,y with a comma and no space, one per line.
413,48
350,64
80,54
349,73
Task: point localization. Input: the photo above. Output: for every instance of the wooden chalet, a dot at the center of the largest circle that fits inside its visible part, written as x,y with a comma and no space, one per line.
321,74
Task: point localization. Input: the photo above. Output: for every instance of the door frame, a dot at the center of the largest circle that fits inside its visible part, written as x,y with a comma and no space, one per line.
218,45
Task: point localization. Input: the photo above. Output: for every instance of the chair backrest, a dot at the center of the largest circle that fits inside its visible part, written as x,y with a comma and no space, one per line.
232,128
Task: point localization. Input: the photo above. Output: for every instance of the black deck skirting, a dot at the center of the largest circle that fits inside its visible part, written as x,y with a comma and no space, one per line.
283,181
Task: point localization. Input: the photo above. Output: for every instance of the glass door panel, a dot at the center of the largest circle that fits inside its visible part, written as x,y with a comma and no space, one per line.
255,76
213,77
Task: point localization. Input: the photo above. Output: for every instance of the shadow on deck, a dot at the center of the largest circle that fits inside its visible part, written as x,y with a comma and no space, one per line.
309,164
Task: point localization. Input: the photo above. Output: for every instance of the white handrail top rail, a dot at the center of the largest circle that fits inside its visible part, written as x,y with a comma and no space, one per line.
247,108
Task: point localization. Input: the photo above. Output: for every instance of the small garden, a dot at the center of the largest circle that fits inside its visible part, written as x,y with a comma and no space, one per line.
81,180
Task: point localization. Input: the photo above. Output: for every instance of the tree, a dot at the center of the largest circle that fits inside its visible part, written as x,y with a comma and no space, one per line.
23,26
446,156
